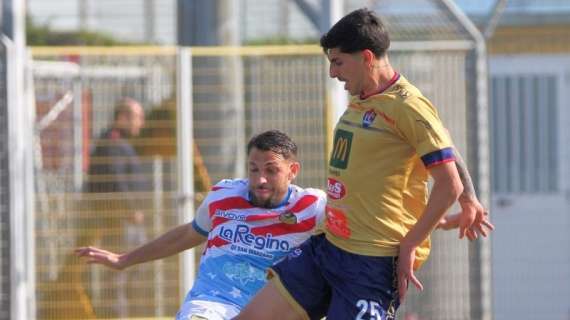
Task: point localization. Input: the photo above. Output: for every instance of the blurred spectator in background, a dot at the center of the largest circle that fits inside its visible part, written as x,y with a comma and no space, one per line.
115,179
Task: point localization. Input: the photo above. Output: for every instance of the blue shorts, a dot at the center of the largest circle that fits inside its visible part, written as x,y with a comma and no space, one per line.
320,279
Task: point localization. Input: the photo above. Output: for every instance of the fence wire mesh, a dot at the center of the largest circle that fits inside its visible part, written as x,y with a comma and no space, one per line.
234,96
98,184
238,94
270,91
445,275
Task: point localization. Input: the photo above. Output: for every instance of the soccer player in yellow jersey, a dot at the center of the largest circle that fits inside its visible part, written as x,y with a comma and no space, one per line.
379,215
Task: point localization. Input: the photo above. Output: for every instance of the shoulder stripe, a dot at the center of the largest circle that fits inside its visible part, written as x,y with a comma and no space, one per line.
303,203
262,216
279,229
226,204
229,203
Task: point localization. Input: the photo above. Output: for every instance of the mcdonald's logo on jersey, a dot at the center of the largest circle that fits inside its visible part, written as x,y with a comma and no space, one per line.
341,149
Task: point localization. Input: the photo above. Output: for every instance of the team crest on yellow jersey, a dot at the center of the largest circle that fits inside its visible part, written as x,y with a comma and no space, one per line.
368,118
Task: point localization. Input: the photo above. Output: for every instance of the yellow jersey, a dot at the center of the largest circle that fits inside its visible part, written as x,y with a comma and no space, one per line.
377,178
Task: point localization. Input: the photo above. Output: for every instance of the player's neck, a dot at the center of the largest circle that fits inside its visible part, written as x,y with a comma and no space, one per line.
381,79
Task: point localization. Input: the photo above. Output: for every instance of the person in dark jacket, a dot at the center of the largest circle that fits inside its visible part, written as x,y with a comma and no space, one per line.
115,185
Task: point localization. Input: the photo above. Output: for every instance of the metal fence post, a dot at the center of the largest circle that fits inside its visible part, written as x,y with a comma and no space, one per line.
20,163
185,157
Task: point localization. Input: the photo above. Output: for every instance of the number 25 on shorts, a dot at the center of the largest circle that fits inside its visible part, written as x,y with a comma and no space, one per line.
365,306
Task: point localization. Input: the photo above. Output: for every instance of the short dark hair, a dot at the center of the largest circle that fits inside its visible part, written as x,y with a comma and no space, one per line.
359,30
275,141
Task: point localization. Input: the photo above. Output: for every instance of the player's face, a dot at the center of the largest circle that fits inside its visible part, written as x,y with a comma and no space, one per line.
348,68
269,177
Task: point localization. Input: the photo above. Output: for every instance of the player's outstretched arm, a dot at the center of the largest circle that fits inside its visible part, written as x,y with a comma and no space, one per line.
172,242
473,219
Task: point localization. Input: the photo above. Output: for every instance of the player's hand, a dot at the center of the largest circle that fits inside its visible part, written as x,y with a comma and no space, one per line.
100,256
470,208
405,270
472,221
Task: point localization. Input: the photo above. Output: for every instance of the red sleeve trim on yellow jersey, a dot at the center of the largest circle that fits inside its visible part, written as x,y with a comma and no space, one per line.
438,157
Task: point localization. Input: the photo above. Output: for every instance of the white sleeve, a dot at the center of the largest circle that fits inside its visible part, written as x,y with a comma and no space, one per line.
202,222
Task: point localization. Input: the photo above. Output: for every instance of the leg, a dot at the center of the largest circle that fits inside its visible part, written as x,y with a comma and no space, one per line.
206,310
363,287
269,303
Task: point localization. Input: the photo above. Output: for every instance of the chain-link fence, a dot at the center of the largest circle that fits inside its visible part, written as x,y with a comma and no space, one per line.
98,183
446,274
76,92
434,47
239,92
277,87
236,92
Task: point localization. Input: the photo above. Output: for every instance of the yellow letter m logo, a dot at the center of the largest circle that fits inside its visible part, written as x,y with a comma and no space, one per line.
341,149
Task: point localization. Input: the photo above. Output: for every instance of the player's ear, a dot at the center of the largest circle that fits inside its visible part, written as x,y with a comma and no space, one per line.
368,57
294,168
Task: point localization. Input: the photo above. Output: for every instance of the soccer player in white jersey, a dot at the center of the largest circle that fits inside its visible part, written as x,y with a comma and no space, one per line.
248,224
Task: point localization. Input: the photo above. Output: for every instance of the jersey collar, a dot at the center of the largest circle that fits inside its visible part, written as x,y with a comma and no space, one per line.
394,79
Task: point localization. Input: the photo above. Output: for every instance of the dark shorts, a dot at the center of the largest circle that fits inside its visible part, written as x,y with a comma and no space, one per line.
319,279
